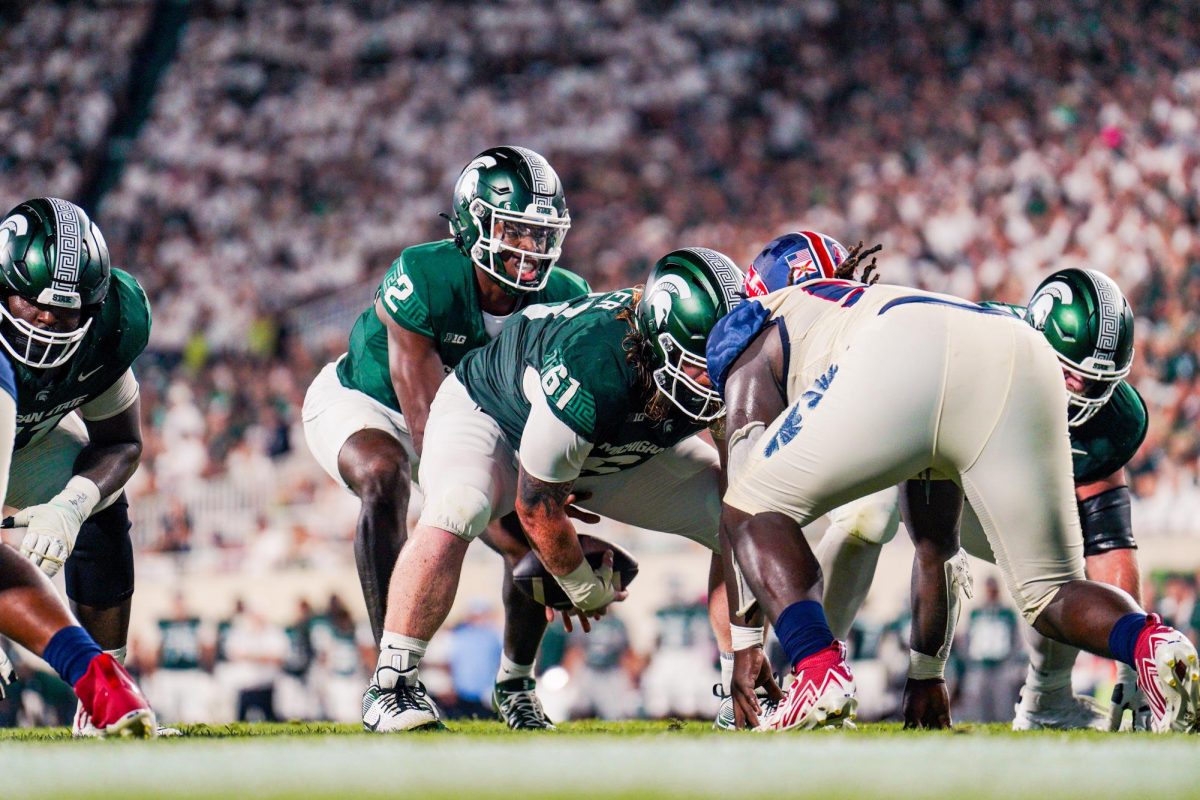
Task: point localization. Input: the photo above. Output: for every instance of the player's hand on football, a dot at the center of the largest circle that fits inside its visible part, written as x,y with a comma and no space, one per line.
575,512
751,671
592,599
926,704
50,533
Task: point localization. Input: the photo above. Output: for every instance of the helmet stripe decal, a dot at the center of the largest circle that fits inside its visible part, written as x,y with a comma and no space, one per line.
817,246
1106,293
68,234
540,171
729,277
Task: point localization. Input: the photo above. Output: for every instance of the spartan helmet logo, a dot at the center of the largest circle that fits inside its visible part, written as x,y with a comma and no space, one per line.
16,225
662,300
1043,302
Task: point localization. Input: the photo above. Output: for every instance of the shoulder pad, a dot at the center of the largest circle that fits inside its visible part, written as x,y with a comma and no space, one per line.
730,337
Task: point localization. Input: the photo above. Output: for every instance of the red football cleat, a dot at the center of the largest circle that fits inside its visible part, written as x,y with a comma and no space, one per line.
115,704
1169,676
821,696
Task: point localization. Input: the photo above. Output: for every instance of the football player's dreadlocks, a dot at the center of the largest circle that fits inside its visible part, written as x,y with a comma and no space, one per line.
855,259
639,354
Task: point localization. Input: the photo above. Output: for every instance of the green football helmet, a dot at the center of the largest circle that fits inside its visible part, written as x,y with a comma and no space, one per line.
51,254
686,293
1087,321
509,201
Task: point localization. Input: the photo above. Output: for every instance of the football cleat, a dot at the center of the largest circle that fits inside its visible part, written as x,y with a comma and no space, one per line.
82,727
1169,674
1057,711
517,703
406,706
112,702
726,720
821,696
1128,697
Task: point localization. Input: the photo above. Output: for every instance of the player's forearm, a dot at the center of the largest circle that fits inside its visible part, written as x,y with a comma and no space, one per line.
1117,568
541,507
109,466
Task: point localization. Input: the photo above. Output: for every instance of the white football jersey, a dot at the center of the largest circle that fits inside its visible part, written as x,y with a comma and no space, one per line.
821,317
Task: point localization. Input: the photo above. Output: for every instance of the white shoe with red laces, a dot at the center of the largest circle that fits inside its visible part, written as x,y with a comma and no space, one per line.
821,696
1169,675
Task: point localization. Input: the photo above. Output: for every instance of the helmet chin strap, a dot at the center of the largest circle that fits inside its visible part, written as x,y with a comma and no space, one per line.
456,231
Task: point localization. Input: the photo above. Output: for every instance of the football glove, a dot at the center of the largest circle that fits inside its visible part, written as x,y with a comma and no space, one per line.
1127,696
53,527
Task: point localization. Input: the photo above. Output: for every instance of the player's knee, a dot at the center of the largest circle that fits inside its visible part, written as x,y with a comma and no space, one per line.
465,511
380,477
873,519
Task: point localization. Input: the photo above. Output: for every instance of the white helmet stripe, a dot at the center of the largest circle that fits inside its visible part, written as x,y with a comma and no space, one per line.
68,233
1107,294
545,179
729,277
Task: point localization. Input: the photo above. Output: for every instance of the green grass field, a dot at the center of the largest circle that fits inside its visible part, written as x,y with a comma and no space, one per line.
589,759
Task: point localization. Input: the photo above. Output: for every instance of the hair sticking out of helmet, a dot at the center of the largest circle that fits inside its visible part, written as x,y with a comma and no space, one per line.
685,294
855,260
794,258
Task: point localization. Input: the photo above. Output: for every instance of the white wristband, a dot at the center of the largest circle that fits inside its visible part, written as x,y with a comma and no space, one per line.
80,496
922,667
745,638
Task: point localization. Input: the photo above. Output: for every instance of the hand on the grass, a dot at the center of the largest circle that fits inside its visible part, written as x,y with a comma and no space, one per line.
751,671
926,704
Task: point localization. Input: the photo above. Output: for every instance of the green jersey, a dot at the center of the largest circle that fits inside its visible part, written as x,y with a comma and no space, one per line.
577,349
118,335
430,290
180,648
1109,440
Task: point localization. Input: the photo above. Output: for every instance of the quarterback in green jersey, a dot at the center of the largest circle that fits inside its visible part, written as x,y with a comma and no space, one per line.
72,325
365,414
601,397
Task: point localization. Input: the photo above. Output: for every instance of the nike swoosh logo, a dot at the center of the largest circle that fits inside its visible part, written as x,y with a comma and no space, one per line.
1076,451
87,375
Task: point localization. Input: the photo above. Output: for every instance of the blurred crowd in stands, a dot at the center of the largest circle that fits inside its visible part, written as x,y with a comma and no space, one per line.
293,149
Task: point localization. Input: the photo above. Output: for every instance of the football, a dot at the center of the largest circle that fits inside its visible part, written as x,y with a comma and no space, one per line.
532,577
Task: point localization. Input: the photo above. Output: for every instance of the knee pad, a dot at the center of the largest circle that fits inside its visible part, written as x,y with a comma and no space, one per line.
874,518
99,572
464,511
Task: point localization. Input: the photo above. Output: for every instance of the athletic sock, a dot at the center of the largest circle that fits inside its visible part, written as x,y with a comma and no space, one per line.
727,672
1122,639
510,669
402,654
70,651
803,630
